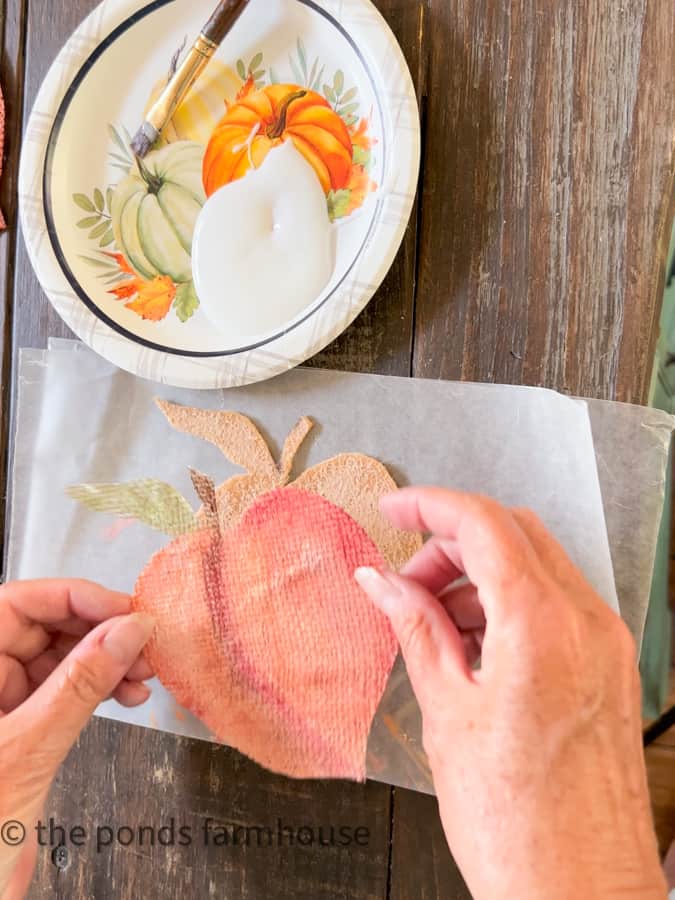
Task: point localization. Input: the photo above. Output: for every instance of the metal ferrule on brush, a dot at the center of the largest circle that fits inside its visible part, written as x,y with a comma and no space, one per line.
172,96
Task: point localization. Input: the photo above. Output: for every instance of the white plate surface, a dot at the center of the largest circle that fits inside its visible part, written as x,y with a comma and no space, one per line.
100,85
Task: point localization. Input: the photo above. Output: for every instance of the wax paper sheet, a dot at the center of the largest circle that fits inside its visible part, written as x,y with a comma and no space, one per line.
81,420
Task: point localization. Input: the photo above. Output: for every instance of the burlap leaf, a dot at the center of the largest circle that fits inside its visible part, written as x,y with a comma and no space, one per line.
234,434
151,502
293,443
205,489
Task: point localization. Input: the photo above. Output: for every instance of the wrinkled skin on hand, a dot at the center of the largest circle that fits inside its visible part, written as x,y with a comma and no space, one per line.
537,755
65,646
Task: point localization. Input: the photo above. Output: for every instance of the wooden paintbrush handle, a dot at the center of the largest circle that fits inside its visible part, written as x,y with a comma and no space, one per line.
225,15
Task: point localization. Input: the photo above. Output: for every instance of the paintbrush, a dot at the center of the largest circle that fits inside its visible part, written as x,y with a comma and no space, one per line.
212,35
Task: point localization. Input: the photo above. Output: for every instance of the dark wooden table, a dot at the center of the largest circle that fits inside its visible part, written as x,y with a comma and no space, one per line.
534,256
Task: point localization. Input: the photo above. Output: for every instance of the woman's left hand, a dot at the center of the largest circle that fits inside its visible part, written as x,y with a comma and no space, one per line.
65,646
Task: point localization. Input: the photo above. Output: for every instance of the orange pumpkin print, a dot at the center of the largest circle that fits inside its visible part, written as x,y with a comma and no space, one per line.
263,119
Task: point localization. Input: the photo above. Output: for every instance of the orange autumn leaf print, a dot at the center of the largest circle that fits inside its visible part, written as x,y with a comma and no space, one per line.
360,186
122,264
360,183
127,289
247,88
361,138
154,298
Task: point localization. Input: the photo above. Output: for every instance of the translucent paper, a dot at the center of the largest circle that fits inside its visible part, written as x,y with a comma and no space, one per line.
594,472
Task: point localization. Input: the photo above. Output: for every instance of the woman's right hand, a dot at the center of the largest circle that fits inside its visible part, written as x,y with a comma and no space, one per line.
537,755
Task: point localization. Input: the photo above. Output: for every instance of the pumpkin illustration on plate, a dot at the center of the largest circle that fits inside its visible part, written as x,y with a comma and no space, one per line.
140,230
154,211
262,631
202,109
262,119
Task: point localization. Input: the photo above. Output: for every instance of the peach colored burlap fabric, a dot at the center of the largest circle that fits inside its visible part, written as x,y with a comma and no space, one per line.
264,634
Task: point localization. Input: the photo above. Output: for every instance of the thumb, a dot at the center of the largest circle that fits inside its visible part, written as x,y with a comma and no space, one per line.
432,647
58,710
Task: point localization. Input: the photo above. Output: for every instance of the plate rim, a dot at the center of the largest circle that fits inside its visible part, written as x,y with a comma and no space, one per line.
47,196
137,354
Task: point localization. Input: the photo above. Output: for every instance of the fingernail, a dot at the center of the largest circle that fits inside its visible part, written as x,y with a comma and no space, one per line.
126,638
142,692
123,603
382,587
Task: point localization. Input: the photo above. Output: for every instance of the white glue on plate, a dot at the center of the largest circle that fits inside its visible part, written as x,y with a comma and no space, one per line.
263,247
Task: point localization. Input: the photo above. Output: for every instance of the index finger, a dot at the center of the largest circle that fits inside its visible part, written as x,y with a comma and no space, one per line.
493,550
27,604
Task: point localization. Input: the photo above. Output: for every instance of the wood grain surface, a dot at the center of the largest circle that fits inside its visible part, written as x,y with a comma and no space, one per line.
421,866
534,256
12,68
129,778
547,194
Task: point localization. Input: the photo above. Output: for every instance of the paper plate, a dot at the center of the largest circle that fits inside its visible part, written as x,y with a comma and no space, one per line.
114,282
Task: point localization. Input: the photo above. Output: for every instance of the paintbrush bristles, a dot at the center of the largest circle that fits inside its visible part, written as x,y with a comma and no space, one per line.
184,77
143,141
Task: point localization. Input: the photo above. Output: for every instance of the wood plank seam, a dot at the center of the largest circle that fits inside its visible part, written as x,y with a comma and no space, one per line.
390,854
418,213
12,77
421,80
